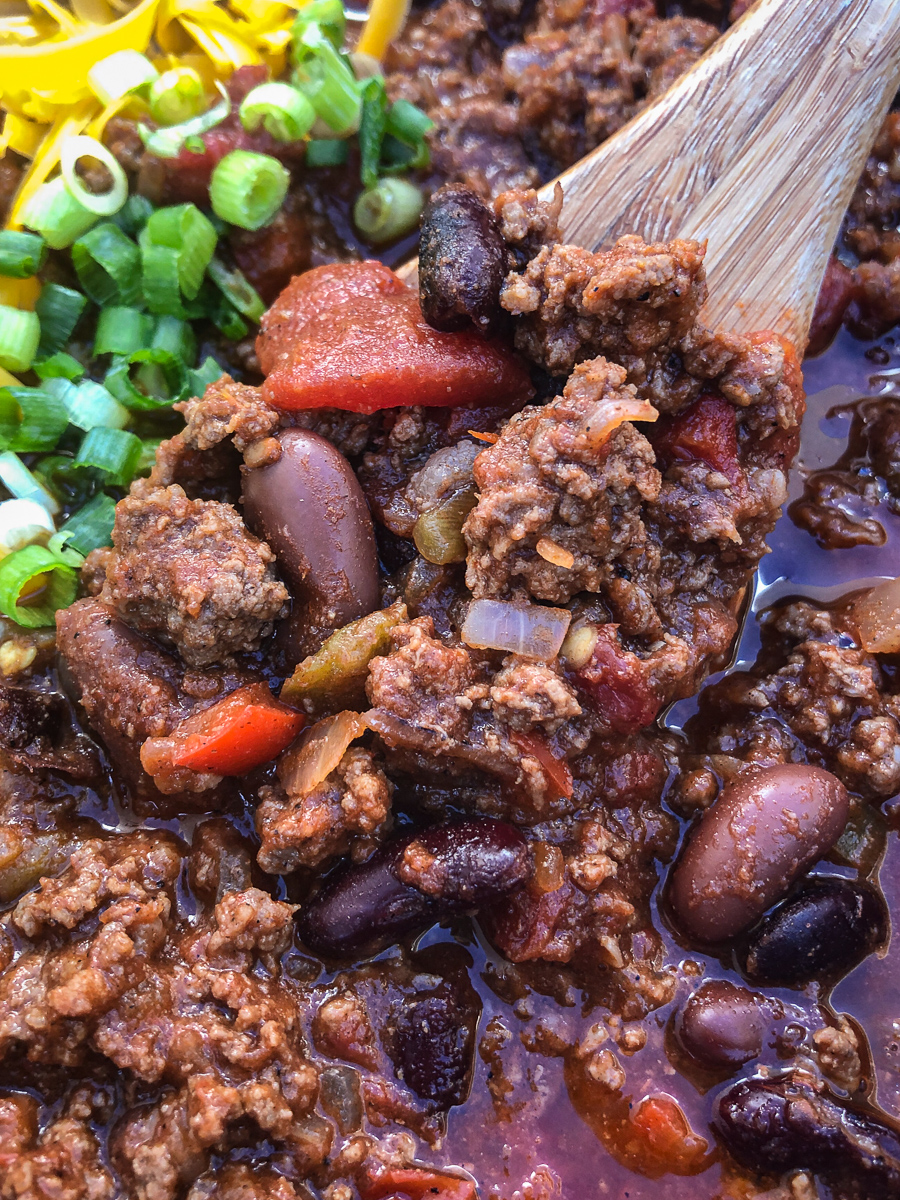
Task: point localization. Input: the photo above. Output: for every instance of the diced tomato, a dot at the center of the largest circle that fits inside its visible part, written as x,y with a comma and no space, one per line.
559,777
663,1130
352,336
706,431
839,288
523,925
615,682
411,1183
244,730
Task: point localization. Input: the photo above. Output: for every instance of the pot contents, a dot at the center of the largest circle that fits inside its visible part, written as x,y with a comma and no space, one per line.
449,736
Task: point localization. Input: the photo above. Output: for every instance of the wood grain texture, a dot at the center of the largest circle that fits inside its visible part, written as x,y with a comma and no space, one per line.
757,150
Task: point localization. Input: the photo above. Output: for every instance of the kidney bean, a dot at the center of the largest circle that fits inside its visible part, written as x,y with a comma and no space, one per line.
311,510
411,883
763,832
722,1026
823,932
784,1124
431,1041
462,262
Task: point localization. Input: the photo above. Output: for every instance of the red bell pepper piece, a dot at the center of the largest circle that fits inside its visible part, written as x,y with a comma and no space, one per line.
352,336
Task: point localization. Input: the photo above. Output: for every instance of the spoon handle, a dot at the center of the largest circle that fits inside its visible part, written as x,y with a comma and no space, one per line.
758,149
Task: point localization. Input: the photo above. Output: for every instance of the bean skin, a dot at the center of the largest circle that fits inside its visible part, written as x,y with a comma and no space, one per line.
783,1124
462,263
411,883
821,933
722,1026
311,510
763,833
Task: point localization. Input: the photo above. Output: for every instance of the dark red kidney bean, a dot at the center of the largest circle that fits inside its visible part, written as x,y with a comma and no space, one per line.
462,262
821,933
764,831
311,510
783,1124
431,1041
722,1026
363,908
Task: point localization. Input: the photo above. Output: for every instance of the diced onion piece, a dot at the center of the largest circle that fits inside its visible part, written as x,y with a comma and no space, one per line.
878,618
552,552
56,214
281,110
104,204
388,210
20,333
607,415
438,533
247,189
119,75
23,522
320,751
528,629
16,478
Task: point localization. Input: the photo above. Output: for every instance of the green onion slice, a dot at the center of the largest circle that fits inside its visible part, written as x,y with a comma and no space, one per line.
104,204
283,111
372,126
34,584
408,123
177,96
167,143
119,75
58,309
326,152
106,262
328,15
247,189
324,76
20,482
148,380
111,451
92,525
21,254
235,287
20,335
208,372
32,418
57,215
59,366
121,329
90,405
133,215
184,228
388,211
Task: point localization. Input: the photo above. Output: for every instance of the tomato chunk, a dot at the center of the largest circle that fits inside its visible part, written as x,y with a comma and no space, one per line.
559,777
244,730
706,431
616,684
352,336
412,1183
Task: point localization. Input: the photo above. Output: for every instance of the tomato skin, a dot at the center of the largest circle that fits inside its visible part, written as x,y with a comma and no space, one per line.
352,336
244,730
411,1183
559,777
614,682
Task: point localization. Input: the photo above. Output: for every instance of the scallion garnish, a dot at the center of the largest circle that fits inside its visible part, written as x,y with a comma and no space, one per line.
388,211
59,366
32,419
247,189
159,277
107,265
20,482
34,583
56,214
20,334
168,142
21,254
104,204
177,96
283,111
133,215
408,123
237,290
208,372
58,309
91,527
176,337
326,152
372,126
90,405
148,379
328,15
119,75
121,329
325,78
114,452
184,228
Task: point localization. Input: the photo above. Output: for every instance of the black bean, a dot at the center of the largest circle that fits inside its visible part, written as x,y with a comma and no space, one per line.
411,883
783,1124
821,933
722,1026
462,262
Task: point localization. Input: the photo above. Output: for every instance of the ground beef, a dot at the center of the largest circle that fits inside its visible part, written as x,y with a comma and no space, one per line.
228,410
188,570
64,1161
871,225
240,1182
38,731
347,813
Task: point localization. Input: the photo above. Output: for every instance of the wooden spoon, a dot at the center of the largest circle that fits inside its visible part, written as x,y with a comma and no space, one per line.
757,149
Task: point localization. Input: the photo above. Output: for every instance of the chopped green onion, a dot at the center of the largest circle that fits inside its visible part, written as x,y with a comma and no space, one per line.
20,334
90,404
230,322
372,126
92,526
147,461
23,522
133,215
177,96
56,214
104,204
112,451
408,123
326,152
247,189
236,288
328,15
208,372
119,75
148,380
59,309
185,229
159,277
34,584
121,330
32,418
175,336
59,366
325,78
398,158
21,254
167,143
280,109
388,211
19,481
106,262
